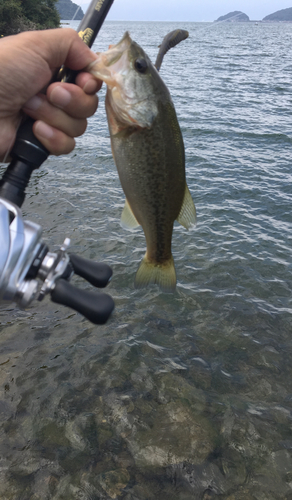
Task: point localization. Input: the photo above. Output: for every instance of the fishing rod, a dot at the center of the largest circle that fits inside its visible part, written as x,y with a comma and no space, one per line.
24,258
28,153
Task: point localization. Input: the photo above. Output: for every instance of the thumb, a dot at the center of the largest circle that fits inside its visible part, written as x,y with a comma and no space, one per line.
61,46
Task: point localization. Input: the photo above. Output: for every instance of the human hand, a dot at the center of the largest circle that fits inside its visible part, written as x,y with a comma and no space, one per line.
27,62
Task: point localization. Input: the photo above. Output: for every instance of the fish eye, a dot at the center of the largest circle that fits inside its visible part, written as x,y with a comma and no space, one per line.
141,65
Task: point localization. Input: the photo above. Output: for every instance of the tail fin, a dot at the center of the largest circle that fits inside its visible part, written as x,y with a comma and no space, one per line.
154,273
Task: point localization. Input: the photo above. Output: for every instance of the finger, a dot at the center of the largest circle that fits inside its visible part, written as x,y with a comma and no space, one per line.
63,46
34,56
53,139
88,84
39,108
7,136
72,99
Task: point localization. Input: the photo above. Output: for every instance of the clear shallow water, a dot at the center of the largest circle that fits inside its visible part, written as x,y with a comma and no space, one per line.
179,396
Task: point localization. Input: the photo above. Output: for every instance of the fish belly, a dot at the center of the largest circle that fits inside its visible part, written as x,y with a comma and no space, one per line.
152,175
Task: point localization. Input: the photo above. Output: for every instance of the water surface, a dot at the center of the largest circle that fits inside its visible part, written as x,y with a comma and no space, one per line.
185,395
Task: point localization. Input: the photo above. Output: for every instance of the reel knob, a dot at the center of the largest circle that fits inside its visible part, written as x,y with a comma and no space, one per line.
97,308
96,273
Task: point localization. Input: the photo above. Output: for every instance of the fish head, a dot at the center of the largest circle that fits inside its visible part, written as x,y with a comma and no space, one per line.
132,83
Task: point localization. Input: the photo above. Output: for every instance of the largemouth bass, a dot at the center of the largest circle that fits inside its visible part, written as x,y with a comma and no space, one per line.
148,150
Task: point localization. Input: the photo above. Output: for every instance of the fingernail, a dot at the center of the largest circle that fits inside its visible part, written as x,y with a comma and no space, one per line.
44,130
34,103
60,97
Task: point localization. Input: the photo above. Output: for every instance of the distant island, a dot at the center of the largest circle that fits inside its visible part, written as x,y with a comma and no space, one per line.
234,17
281,15
67,10
284,16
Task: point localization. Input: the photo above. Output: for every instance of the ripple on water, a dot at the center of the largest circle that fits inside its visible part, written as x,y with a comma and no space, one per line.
179,394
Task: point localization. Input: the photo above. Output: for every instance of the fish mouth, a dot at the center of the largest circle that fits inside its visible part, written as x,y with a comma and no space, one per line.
115,68
114,61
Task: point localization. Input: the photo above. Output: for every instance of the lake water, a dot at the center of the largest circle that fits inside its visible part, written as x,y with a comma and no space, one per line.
179,396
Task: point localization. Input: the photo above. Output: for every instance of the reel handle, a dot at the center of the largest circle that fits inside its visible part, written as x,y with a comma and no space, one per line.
97,308
96,273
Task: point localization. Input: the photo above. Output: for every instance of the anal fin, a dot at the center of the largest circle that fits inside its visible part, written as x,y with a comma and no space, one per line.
128,219
187,216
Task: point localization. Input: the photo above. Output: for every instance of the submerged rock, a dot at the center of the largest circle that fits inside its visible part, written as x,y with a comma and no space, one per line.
113,482
174,434
81,432
162,426
205,481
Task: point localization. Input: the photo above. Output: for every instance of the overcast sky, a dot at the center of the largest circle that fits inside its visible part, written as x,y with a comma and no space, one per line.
188,10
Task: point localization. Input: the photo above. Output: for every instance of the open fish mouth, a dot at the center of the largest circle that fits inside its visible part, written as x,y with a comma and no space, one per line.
112,63
126,98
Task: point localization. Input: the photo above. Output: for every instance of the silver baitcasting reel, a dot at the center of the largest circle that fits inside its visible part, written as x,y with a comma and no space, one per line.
29,271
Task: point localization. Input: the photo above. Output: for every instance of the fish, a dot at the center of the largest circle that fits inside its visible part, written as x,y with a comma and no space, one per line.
148,151
169,41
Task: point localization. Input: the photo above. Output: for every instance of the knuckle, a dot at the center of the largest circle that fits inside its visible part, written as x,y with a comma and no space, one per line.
66,145
94,105
82,125
61,144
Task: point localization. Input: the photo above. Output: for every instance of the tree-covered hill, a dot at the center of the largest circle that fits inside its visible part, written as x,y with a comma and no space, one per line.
67,10
280,15
234,17
25,15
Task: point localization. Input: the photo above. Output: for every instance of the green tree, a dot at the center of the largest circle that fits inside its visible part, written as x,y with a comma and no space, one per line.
26,15
10,10
41,12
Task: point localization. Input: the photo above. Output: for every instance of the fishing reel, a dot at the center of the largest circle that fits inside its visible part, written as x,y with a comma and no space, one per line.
28,270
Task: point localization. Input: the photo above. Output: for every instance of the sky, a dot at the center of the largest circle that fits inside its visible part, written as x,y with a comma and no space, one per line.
188,10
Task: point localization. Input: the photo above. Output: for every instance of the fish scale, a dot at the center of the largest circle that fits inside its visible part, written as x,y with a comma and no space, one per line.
148,150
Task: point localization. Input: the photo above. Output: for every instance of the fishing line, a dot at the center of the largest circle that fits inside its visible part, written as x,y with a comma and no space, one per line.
215,23
79,7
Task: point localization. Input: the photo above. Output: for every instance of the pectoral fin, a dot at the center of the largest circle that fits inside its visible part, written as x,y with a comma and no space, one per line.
187,216
128,219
